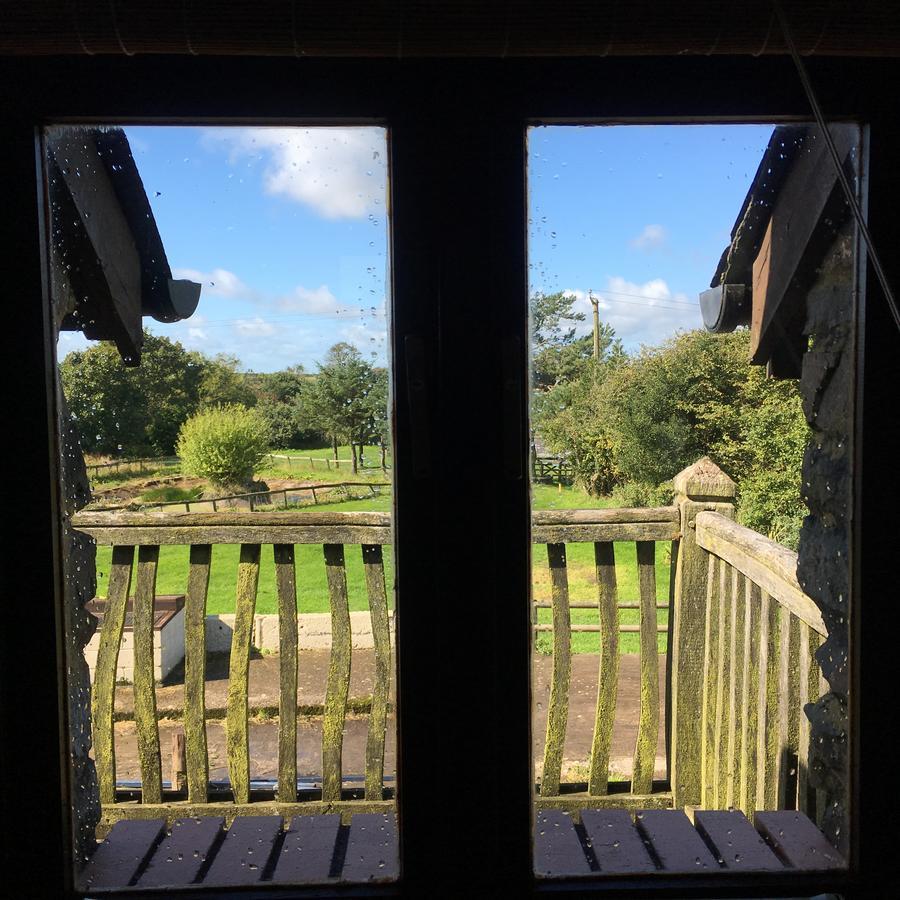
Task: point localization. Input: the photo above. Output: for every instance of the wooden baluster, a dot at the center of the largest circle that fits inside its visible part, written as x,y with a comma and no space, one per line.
735,689
768,744
750,698
648,725
104,690
373,565
608,675
145,721
286,589
806,668
710,669
720,747
195,673
236,729
558,707
785,701
338,685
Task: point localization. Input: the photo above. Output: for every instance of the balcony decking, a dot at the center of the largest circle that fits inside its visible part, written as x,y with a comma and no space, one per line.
260,850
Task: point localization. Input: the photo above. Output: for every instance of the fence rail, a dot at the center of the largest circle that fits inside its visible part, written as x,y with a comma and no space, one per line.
759,672
324,462
314,490
94,470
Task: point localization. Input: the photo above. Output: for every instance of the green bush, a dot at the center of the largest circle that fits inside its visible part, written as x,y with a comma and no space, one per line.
642,493
223,444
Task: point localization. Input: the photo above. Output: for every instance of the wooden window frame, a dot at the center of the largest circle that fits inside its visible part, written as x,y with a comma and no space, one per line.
459,294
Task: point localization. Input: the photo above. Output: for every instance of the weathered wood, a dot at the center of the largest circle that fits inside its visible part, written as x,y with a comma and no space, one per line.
236,731
307,851
246,533
338,684
195,672
244,853
179,761
648,723
809,693
575,802
233,517
607,531
797,841
180,857
708,697
675,841
372,849
598,629
115,812
764,562
122,854
558,706
286,590
104,689
768,636
784,700
144,683
769,766
373,564
608,674
749,699
557,849
605,516
617,846
735,841
720,745
735,689
702,486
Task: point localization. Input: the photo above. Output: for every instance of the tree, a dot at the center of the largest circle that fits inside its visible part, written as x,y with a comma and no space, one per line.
337,401
133,410
223,444
559,356
222,382
280,400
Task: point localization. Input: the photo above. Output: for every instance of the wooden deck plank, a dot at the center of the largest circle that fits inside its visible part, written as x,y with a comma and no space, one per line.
557,848
617,845
797,841
244,853
121,855
307,853
182,854
737,842
372,849
675,841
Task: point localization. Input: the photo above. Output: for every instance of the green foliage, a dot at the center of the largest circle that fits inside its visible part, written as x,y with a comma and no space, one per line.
167,494
223,444
138,411
642,493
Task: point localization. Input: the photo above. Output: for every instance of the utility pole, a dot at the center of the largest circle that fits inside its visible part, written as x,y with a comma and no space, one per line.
596,304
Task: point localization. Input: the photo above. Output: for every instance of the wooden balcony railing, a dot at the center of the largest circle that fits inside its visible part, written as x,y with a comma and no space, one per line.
740,665
758,672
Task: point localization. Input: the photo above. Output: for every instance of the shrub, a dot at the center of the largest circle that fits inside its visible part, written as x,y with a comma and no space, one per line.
642,493
223,444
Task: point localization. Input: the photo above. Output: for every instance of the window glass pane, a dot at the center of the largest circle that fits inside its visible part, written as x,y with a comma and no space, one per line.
220,299
692,293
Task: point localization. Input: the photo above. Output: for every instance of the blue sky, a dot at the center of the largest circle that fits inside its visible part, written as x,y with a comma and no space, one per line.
286,229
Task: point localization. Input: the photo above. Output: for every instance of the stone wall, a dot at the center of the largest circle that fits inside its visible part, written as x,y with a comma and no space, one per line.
823,570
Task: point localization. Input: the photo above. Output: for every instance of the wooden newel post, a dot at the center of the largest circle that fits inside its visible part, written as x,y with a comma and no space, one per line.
702,486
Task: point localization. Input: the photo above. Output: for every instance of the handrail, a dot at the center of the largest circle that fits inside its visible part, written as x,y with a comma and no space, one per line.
762,560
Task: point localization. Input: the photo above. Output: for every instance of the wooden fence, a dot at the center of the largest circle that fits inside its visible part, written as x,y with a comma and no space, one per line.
551,468
95,470
323,462
266,498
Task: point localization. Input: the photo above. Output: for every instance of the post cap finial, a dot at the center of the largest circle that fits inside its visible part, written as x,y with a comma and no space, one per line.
704,480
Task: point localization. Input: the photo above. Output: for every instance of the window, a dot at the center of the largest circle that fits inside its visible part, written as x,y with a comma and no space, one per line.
457,133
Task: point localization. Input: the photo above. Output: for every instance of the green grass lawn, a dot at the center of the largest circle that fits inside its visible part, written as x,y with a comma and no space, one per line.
312,590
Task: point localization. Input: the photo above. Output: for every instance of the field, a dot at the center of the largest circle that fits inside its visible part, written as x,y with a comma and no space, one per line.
312,592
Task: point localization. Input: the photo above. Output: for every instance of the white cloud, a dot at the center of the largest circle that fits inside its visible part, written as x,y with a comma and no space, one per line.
318,301
651,238
197,335
640,313
219,282
256,327
338,172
